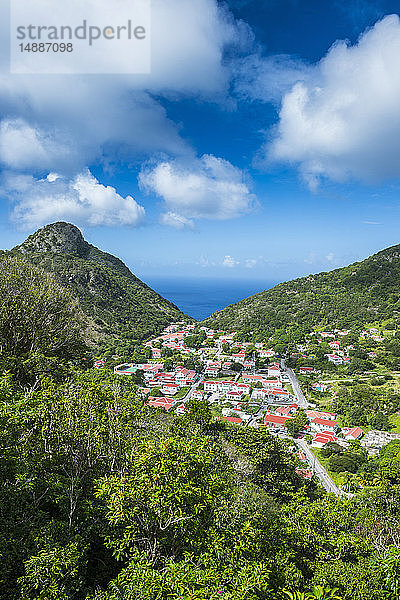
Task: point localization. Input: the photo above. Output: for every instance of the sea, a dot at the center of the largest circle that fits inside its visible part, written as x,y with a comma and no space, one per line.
201,297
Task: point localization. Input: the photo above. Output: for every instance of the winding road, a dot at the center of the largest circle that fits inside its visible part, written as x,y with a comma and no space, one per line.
313,462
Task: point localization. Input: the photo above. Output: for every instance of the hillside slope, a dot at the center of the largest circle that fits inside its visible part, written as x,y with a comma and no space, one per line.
117,304
363,292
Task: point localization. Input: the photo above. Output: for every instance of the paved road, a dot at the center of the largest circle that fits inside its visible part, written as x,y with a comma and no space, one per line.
318,469
295,385
313,461
191,389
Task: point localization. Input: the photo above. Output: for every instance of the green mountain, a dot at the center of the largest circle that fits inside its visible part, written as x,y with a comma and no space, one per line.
118,305
364,292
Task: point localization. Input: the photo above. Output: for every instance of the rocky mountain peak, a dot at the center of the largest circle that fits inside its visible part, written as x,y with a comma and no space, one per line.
60,238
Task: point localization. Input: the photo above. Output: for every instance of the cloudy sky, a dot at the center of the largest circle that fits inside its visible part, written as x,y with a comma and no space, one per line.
265,142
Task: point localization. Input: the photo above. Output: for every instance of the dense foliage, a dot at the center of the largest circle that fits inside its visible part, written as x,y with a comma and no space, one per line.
40,322
103,498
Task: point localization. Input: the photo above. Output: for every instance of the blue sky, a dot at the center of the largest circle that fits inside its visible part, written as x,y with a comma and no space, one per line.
265,143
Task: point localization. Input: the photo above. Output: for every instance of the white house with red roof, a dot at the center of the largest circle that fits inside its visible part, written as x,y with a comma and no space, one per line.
235,395
184,376
323,438
335,359
306,370
335,345
266,353
274,370
249,365
225,386
170,389
352,433
259,394
276,420
323,425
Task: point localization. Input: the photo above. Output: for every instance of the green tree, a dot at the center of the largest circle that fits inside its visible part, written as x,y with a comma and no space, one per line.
36,314
164,506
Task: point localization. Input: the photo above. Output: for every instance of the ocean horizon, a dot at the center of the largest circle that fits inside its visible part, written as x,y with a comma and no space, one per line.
201,297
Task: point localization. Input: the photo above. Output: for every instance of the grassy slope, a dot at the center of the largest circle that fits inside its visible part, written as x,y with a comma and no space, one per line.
362,292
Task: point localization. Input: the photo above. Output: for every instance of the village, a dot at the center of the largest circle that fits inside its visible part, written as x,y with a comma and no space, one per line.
250,385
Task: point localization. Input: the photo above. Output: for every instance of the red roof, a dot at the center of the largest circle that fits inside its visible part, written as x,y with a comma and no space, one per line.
325,438
275,419
355,432
160,404
325,422
279,392
283,410
231,419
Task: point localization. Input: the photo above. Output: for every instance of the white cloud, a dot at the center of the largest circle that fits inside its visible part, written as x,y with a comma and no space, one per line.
24,147
52,177
230,262
173,220
344,120
63,123
250,263
268,78
205,262
208,188
82,200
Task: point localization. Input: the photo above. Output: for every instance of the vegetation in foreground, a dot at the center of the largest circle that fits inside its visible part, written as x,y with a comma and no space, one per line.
102,498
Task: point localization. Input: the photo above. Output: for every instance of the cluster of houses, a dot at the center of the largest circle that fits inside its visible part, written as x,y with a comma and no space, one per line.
339,354
240,389
323,426
172,337
154,377
373,334
217,361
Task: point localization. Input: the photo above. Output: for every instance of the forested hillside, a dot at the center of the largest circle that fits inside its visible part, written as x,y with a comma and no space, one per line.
104,498
117,305
364,292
